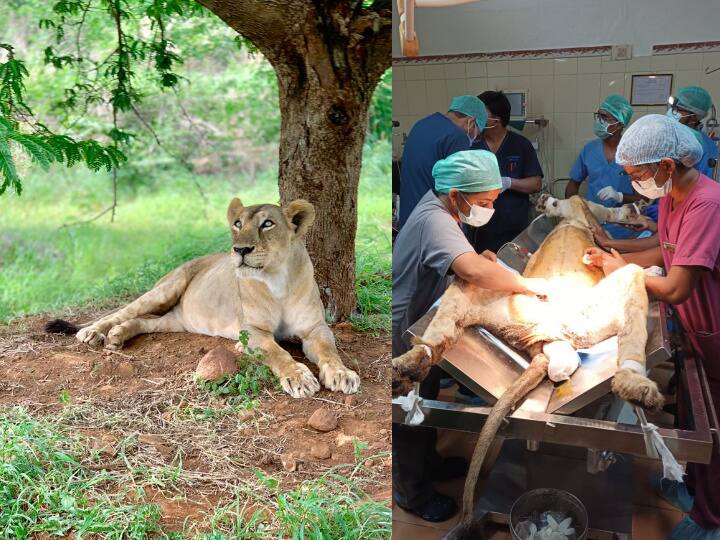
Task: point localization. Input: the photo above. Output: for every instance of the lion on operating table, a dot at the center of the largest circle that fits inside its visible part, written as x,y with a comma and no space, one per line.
584,308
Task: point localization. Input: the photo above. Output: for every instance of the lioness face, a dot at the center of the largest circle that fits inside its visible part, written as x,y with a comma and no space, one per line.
262,234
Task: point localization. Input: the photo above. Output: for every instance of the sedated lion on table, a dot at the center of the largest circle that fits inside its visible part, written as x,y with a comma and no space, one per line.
586,308
264,286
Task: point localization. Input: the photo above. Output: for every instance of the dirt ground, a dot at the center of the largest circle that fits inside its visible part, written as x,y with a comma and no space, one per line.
143,393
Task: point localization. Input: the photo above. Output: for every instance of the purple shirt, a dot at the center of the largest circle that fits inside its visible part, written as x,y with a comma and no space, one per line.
690,236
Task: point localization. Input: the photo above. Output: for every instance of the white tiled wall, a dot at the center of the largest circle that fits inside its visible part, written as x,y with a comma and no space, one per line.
566,91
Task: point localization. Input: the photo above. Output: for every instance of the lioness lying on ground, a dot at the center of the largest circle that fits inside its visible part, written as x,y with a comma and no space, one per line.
265,286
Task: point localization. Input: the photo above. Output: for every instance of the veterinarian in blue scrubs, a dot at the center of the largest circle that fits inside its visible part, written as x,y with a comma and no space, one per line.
428,252
431,139
689,107
607,184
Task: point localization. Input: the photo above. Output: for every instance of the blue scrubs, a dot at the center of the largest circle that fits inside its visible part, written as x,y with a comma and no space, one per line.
431,139
710,151
591,165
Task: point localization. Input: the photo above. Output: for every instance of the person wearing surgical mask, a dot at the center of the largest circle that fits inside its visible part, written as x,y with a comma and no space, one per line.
596,163
431,139
690,107
429,250
520,171
659,155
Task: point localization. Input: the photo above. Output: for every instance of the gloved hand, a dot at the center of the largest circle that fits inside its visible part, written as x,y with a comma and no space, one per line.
506,182
609,193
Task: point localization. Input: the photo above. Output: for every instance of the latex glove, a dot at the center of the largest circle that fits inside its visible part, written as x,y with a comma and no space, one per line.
506,182
489,255
609,262
609,193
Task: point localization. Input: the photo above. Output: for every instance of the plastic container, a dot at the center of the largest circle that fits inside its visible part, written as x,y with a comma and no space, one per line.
532,504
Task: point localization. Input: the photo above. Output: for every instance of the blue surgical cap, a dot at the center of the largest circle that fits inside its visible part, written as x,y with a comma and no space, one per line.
470,171
694,99
470,106
656,136
618,107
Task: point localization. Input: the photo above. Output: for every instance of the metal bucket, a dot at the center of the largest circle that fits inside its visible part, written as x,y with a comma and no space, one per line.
537,501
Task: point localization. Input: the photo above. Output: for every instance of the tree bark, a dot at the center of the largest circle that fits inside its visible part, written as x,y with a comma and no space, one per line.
328,57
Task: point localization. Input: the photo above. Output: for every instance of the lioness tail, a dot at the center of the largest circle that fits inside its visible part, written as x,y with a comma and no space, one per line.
59,326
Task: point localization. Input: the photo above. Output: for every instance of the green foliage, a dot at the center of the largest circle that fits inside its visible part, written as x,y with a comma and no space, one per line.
381,109
42,145
250,380
328,508
46,489
358,448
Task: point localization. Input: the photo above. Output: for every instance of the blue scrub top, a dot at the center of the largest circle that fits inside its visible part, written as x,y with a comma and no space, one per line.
710,151
591,165
431,139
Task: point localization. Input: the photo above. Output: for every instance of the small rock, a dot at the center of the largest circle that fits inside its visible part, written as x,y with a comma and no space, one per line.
351,400
383,432
343,439
320,450
215,364
288,462
202,350
323,420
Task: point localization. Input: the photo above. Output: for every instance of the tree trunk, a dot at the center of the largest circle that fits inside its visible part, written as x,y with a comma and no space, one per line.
321,141
328,57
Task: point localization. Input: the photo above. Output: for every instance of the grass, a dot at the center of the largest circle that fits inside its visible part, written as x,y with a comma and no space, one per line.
44,487
161,222
48,485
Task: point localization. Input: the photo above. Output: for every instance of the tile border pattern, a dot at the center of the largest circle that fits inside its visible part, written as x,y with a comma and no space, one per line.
601,50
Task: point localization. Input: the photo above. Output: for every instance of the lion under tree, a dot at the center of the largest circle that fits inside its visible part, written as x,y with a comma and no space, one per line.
328,57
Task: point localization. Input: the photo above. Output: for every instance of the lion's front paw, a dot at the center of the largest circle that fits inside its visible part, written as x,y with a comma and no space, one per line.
90,335
542,203
115,338
637,389
339,378
298,381
409,368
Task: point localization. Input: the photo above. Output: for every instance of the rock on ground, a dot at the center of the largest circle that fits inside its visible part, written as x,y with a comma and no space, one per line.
323,420
215,364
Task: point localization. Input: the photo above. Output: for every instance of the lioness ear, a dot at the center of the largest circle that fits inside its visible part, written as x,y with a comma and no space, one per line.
234,210
301,215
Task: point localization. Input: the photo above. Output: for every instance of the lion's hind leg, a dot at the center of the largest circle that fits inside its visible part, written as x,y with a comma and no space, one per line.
118,335
157,301
461,306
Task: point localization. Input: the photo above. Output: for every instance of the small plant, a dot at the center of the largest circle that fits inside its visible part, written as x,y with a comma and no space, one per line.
250,380
358,448
65,397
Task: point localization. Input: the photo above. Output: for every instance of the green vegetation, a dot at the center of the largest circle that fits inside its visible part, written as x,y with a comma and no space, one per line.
48,485
44,487
331,507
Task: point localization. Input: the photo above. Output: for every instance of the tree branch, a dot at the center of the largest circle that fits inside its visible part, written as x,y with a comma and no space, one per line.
266,23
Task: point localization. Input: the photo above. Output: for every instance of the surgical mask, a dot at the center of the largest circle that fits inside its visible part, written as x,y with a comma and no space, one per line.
600,127
675,114
648,188
478,217
490,126
470,139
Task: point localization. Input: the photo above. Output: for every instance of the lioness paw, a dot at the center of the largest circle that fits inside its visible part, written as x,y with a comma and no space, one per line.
298,381
115,338
91,336
637,389
339,378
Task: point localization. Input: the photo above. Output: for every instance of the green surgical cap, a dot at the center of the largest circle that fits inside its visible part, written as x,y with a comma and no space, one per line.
618,107
470,171
694,99
470,106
